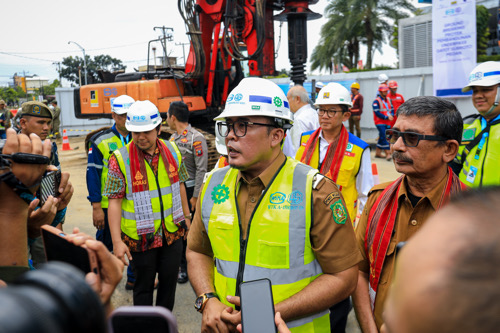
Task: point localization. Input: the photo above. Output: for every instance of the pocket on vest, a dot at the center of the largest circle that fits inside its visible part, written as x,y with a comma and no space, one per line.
273,255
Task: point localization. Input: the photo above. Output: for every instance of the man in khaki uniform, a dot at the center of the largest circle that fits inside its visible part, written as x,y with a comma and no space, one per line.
56,122
423,141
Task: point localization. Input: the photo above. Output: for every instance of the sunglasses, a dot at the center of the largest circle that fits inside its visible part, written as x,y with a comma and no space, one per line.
410,139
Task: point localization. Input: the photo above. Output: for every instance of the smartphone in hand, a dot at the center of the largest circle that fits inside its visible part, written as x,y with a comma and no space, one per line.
133,319
49,185
257,307
58,248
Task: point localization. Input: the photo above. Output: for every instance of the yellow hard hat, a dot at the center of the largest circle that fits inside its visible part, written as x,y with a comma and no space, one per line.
355,85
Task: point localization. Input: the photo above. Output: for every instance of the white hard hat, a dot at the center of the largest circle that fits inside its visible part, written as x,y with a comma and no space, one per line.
382,78
121,104
486,74
291,84
142,116
220,142
255,96
320,84
334,93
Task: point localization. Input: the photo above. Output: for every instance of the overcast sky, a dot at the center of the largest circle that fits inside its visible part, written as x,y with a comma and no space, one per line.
35,35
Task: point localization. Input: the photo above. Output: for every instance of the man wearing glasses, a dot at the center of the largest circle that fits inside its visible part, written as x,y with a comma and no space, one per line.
478,158
342,157
424,139
268,216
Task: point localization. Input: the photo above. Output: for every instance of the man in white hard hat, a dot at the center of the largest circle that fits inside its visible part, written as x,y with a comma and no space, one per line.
305,119
478,158
148,206
268,216
342,157
382,78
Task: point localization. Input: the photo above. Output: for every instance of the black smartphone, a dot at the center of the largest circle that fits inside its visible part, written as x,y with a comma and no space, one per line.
257,307
57,248
50,185
133,319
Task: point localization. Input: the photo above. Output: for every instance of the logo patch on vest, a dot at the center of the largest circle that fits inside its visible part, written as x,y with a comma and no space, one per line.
139,179
469,134
339,212
220,193
112,146
349,147
330,197
277,198
295,198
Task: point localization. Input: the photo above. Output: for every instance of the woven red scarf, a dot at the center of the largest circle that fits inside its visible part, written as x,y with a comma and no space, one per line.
334,154
381,221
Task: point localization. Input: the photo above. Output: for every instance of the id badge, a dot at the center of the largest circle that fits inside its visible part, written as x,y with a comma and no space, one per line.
471,175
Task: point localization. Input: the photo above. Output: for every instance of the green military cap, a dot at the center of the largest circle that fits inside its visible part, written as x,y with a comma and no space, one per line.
36,109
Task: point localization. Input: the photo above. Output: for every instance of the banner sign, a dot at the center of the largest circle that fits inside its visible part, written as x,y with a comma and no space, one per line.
453,45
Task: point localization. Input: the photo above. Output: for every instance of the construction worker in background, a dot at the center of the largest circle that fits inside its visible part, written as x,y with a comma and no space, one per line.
478,158
396,99
356,109
382,78
194,151
56,122
424,140
148,206
36,117
383,114
102,145
318,86
247,216
305,119
342,157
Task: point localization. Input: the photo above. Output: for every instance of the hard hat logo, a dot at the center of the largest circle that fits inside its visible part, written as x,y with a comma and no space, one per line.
238,97
139,118
230,98
326,95
277,101
475,76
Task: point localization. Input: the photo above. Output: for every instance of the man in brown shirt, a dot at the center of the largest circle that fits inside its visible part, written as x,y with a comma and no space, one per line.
423,140
257,183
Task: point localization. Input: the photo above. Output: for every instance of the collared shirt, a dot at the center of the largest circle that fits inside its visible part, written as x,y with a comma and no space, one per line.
194,151
409,219
304,120
333,244
115,188
364,179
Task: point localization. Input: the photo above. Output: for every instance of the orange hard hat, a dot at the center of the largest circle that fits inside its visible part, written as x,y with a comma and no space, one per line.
393,84
383,87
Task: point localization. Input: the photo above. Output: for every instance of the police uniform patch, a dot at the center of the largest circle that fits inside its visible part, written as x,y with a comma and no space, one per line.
112,146
36,109
468,134
185,132
330,197
198,148
339,212
184,140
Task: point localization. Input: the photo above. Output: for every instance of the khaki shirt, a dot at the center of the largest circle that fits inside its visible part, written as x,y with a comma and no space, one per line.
333,244
409,219
194,151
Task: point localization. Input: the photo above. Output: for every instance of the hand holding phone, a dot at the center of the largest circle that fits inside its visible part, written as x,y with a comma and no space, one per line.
50,185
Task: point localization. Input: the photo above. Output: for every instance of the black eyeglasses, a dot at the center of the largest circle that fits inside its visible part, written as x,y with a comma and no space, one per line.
239,127
329,112
410,139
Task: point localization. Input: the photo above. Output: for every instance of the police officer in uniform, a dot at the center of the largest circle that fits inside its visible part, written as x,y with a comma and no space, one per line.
478,157
194,150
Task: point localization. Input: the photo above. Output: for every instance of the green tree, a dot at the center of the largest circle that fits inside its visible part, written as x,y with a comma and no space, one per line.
482,29
51,89
9,95
71,65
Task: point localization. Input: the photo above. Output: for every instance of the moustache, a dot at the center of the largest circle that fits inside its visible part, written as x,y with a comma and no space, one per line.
401,157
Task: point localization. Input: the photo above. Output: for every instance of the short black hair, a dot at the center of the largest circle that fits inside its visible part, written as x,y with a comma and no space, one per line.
180,110
448,121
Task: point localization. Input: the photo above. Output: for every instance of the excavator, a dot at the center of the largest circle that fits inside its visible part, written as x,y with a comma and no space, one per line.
223,34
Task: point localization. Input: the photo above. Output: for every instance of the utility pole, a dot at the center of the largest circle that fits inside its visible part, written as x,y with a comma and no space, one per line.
183,53
166,37
84,61
58,65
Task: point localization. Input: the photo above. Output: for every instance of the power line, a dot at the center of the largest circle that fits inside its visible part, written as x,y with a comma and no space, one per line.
56,52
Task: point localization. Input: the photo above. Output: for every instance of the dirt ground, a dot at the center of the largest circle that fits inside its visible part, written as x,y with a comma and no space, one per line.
80,215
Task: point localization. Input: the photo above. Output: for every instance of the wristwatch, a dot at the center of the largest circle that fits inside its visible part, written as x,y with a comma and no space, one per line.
200,302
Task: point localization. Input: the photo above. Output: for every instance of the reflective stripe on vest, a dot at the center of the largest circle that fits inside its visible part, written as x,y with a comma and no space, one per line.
278,243
128,221
482,171
384,109
103,144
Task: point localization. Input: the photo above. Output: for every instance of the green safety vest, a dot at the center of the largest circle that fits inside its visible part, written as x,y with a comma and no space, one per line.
480,170
159,190
278,245
106,143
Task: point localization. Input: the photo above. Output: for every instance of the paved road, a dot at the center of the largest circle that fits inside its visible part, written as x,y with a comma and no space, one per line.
80,215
